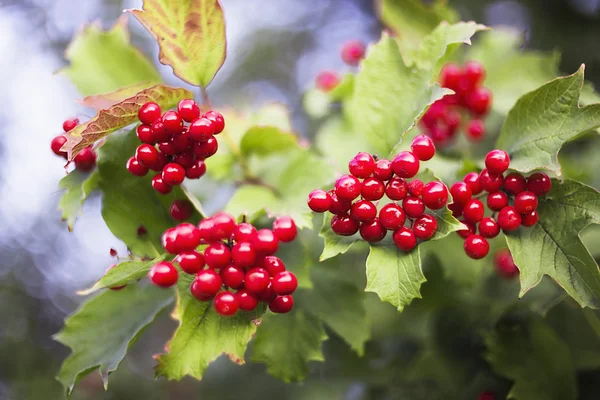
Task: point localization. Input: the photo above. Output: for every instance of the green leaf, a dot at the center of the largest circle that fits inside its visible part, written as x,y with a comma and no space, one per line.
535,358
543,120
316,103
191,36
334,244
203,335
338,130
78,186
553,247
265,140
104,61
344,89
101,330
287,359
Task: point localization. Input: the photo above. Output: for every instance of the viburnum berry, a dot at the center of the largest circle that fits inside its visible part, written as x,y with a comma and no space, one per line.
456,208
415,187
435,195
181,210
147,155
57,143
246,300
505,265
514,183
159,185
372,189
190,261
266,242
69,124
217,255
159,132
186,159
392,216
450,76
284,283
338,206
196,171
372,231
479,100
136,168
497,161
472,179
383,170
149,113
244,232
424,227
223,225
461,192
187,236
405,165
232,276
347,187
404,239
475,130
285,229
476,246
423,148
206,285
490,182
266,295
163,274
319,200
530,219
352,52
363,210
217,120
396,189
243,254
173,174
488,228
362,165
144,133
281,304
526,202
168,148
85,160
413,206
169,241
473,211
474,73
344,225
201,129
327,80
141,230
273,265
539,183
509,219
188,110
465,233
496,201
172,122
226,303
256,280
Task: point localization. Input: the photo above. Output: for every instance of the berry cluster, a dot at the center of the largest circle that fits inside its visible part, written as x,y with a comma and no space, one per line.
442,120
501,192
352,52
175,150
371,179
237,269
85,160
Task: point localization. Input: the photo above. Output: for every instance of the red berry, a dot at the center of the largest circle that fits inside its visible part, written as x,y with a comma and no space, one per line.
424,227
488,228
509,219
450,76
476,246
159,185
147,155
256,280
465,233
383,170
456,208
347,187
247,301
284,283
188,110
196,171
69,124
475,130
266,242
497,161
266,295
422,146
190,261
435,195
169,241
173,174
461,192
363,210
396,189
474,73
163,274
362,165
344,225
168,147
404,239
338,206
530,219
233,276
319,200
172,122
352,52
141,230
244,232
159,132
201,130
181,210
452,121
372,189
181,143
285,229
490,182
514,183
223,225
135,168
372,231
206,149
205,227
243,254
526,202
149,113
56,145
187,236
413,206
392,216
85,160
405,165
186,159
496,201
473,211
206,285
217,120
327,80
226,304
281,304
539,183
273,265
217,255
415,187
505,265
479,100
144,133
472,179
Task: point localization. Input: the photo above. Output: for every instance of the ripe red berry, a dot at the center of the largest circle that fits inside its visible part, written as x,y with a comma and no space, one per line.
456,208
372,231
396,189
196,171
473,211
450,76
347,187
188,110
223,225
490,182
405,165
319,200
284,283
413,206
514,183
383,170
461,192
392,216
149,113
497,161
201,129
85,160
243,254
362,165
206,285
217,255
172,122
509,219
256,280
190,261
404,239
173,174
187,236
217,120
159,132
281,304
169,241
363,210
146,154
167,147
472,179
181,143
56,145
226,304
415,187
327,80
539,183
422,146
273,265
338,206
505,265
372,189
479,100
476,246
232,276
181,210
185,159
465,233
69,124
496,201
247,301
285,229
352,52
163,274
530,219
161,162
344,225
266,295
474,73
424,227
144,133
135,168
475,130
266,242
244,232
435,195
488,228
159,185
526,202
206,149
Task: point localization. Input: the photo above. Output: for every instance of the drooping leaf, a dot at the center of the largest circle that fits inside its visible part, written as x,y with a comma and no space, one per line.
105,61
119,116
203,335
191,36
78,186
106,100
101,330
553,247
543,120
287,342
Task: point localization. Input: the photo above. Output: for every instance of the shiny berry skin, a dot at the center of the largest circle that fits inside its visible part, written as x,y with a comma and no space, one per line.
266,242
526,202
539,183
244,232
344,225
163,274
217,120
505,265
424,227
149,113
423,148
284,283
56,145
327,80
396,189
319,200
473,211
475,130
285,229
226,304
144,133
413,206
352,52
188,110
181,143
266,295
201,129
232,276
496,201
217,255
514,183
404,239
479,100
450,76
472,179
205,227
338,206
167,148
135,168
465,233
169,241
362,165
273,265
146,154
461,192
206,285
256,280
246,300
243,254
172,122
372,189
159,185
187,236
476,247
190,261
223,225
206,149
415,187
488,228
186,159
281,304
347,187
435,195
530,219
509,219
372,231
383,170
196,171
497,161
85,160
392,216
474,73
173,174
405,165
160,163
69,124
490,182
363,210
456,208
181,210
159,132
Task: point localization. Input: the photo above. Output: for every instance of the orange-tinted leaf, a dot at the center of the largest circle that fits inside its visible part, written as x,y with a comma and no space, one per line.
106,100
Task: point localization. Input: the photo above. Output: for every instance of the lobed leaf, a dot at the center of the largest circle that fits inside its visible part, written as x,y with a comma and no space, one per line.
78,186
334,244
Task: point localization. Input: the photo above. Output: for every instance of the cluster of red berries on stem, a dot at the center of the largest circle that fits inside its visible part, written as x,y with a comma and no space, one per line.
352,52
443,119
354,199
170,147
237,269
85,160
512,199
